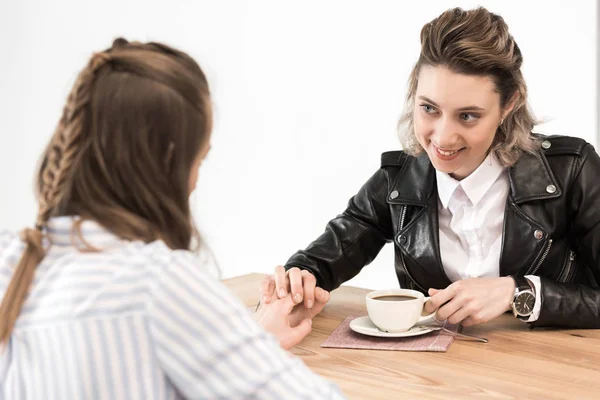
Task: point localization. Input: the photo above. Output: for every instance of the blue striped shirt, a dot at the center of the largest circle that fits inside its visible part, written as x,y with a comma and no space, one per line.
137,321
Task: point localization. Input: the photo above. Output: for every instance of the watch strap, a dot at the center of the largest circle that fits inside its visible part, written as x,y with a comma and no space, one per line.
521,283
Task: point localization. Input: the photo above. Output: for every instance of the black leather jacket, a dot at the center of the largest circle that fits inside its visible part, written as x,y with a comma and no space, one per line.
551,229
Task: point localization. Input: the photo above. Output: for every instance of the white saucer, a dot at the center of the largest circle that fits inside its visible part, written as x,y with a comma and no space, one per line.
365,326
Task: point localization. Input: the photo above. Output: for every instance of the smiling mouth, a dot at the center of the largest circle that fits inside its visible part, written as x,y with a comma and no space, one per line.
447,153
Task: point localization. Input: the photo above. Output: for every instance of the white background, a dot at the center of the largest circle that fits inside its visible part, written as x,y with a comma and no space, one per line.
307,95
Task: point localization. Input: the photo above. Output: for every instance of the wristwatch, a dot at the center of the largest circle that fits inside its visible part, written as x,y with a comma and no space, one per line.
524,299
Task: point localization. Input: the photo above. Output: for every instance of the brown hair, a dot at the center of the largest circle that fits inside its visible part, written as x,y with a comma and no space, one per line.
476,42
121,155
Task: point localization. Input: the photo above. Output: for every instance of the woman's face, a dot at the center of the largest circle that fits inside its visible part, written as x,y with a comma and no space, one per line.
455,118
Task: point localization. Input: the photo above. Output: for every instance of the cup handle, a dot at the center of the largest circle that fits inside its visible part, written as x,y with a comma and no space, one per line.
426,319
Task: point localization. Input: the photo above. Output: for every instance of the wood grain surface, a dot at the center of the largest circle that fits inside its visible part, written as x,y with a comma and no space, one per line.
517,363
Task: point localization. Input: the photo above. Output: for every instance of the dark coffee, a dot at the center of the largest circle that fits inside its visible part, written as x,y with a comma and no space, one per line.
394,297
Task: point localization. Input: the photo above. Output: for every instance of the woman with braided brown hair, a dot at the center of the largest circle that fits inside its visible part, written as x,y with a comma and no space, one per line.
485,215
103,299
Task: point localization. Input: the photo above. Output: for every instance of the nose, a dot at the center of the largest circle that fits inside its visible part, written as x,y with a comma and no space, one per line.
445,134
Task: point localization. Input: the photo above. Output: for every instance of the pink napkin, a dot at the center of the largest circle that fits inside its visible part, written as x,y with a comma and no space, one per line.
346,338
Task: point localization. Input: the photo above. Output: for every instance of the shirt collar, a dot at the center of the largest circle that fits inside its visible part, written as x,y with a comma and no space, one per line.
60,231
475,185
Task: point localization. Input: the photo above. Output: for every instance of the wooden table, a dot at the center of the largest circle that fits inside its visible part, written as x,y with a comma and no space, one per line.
516,363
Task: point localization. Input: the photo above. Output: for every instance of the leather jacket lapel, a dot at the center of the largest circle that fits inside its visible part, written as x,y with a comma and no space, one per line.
530,179
418,236
525,239
415,182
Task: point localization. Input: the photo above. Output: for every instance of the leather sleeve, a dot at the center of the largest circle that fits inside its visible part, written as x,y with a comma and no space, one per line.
570,304
353,239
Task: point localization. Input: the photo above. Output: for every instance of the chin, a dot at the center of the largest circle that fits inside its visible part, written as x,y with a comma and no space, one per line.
445,168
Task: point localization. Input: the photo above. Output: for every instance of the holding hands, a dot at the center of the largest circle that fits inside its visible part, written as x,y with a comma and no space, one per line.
472,301
289,301
280,311
301,284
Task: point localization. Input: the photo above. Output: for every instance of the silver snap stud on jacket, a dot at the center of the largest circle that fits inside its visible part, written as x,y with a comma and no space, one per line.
550,188
402,239
546,144
394,194
538,234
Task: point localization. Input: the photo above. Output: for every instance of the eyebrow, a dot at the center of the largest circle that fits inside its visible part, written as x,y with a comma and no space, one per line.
469,108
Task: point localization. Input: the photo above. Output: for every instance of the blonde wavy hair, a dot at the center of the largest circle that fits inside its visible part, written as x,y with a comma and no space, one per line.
476,42
121,155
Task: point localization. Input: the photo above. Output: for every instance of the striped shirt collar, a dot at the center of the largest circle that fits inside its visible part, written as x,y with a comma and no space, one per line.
61,232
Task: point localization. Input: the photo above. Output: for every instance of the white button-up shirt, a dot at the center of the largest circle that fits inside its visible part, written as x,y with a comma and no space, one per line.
471,217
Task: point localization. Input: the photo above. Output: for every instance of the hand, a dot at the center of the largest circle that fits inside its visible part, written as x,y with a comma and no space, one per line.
300,283
472,301
289,323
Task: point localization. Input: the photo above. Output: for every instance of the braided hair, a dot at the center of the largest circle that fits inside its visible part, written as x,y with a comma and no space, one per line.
121,155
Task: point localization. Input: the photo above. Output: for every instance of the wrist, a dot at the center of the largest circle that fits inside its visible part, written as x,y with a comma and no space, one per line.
511,287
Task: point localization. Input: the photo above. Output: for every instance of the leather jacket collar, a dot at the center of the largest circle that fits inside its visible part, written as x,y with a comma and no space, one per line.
530,179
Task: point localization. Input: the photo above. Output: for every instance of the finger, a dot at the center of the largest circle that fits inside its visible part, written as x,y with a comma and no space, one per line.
441,297
448,309
434,302
459,316
470,321
287,304
297,334
478,317
280,281
321,295
267,289
295,277
264,285
271,291
430,307
309,282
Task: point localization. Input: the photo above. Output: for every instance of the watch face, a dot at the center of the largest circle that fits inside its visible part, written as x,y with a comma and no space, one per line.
524,303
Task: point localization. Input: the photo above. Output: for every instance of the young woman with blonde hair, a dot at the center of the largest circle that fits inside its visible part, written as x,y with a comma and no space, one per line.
485,216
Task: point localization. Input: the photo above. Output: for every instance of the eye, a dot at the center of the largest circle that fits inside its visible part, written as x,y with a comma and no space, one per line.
469,117
429,109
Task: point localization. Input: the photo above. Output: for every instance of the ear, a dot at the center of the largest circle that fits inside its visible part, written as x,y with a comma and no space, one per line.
510,105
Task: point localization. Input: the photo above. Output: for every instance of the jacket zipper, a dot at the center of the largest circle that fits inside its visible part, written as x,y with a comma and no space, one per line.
539,264
565,274
411,281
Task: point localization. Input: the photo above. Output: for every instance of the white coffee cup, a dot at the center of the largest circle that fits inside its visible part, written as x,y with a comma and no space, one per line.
391,314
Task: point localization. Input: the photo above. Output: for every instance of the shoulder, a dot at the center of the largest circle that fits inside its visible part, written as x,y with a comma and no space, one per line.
6,237
396,164
179,271
166,260
567,154
394,158
559,145
11,248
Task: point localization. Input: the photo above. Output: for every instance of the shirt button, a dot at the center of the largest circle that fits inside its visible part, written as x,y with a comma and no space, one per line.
546,144
402,239
394,194
550,188
538,234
